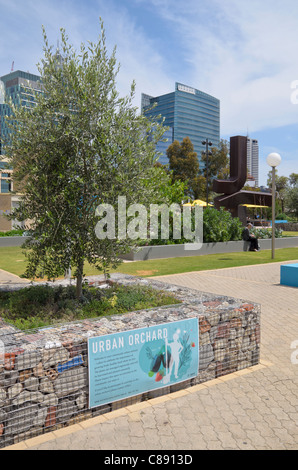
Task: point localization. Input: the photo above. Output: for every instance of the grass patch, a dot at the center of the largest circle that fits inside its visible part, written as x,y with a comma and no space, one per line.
38,306
168,266
13,260
289,234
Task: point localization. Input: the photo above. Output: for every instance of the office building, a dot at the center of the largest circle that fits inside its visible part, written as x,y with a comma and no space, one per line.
253,159
19,87
188,113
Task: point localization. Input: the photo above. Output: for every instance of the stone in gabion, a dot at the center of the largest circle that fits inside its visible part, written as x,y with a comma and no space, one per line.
65,411
25,396
50,399
206,356
70,381
40,418
31,384
51,357
2,396
21,419
46,385
27,360
14,390
8,378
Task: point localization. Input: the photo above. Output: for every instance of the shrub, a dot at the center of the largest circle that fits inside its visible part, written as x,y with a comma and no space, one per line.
281,216
12,233
220,226
264,233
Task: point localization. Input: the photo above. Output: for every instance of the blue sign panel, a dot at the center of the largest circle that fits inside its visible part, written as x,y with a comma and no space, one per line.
129,363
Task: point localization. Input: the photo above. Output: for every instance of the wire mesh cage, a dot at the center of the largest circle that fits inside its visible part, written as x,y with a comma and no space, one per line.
44,377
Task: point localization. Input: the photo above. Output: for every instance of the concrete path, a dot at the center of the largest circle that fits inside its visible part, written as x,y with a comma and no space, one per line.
7,279
256,408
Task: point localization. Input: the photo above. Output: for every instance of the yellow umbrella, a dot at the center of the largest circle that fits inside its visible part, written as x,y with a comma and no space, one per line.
252,205
199,202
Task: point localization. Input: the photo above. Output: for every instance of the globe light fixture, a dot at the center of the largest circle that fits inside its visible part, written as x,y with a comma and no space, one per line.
273,160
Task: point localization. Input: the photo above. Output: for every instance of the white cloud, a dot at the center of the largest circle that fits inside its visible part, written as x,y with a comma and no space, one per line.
241,52
139,59
21,30
137,52
253,78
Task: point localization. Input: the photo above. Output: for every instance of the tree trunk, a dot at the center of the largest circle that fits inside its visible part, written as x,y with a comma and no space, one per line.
79,286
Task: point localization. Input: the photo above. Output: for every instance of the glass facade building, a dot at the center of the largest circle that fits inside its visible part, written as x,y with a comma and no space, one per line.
19,87
189,113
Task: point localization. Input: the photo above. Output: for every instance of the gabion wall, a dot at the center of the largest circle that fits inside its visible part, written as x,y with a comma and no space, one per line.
44,373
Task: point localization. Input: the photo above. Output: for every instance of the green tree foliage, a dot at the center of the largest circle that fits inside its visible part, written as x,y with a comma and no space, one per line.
218,164
293,179
170,190
281,184
183,162
292,201
80,146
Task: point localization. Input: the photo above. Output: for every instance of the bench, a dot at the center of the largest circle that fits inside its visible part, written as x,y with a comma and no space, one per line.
289,275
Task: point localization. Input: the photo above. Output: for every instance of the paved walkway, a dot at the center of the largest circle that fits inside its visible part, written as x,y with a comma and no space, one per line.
9,279
256,408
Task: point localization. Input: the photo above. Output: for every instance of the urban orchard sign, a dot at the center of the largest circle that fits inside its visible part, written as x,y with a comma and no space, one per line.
129,363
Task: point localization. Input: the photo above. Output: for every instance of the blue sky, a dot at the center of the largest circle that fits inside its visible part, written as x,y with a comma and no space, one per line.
244,53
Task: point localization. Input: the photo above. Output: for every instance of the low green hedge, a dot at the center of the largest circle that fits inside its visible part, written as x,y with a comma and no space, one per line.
12,233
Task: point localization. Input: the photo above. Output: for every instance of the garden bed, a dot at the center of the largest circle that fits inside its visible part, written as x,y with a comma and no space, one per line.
44,382
41,305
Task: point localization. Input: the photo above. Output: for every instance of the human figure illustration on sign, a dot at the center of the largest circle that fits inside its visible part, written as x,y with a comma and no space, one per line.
176,348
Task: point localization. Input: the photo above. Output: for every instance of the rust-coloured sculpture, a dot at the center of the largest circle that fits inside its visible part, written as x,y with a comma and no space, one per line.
232,197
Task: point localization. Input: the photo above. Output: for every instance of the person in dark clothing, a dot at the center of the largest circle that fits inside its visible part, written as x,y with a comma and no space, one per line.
248,236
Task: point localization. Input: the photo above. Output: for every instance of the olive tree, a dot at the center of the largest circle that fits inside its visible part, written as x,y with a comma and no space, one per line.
79,146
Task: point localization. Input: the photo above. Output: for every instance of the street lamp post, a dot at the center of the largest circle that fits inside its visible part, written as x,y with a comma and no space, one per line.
273,160
207,143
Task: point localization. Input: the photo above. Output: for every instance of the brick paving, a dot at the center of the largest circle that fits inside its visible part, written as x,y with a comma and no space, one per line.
253,409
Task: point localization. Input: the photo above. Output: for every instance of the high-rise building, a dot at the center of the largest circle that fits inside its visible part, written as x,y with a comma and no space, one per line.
19,87
188,113
253,159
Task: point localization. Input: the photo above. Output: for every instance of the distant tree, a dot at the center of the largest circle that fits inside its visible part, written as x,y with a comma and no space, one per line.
183,162
218,164
293,179
80,146
292,200
281,184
